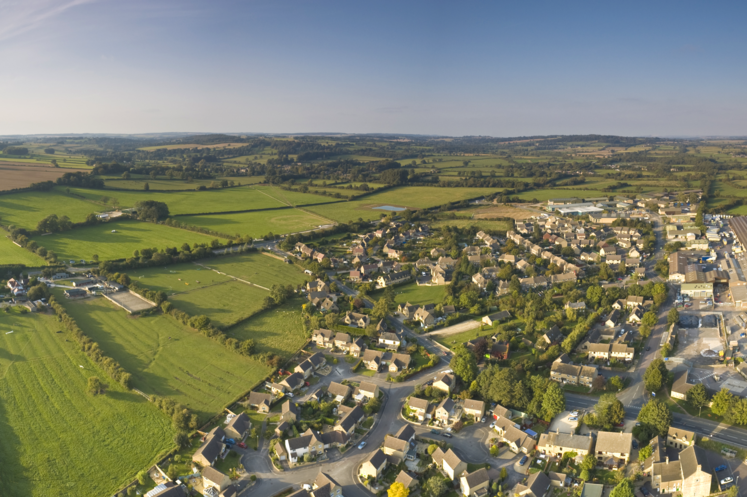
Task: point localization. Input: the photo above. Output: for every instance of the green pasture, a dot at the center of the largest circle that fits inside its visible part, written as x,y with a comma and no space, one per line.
543,195
278,330
13,254
483,224
57,439
163,183
84,242
259,224
294,198
168,359
224,303
26,209
419,295
177,278
258,268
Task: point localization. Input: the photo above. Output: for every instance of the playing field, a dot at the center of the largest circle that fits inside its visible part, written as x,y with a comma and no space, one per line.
11,253
58,440
83,243
224,303
278,330
419,295
258,268
166,358
258,224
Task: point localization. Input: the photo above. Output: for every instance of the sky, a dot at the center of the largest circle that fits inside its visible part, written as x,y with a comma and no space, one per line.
664,68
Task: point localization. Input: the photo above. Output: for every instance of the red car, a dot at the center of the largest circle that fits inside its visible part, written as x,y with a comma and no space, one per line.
306,383
242,445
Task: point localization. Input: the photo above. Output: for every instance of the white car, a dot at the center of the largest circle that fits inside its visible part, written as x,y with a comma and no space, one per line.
492,425
726,480
574,413
307,487
361,445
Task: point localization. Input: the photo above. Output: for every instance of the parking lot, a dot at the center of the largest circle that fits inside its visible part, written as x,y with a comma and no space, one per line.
562,422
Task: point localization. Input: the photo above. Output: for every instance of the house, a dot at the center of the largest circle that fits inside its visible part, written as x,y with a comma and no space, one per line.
556,444
474,408
305,369
289,412
342,341
209,451
211,477
636,316
679,438
617,351
407,480
563,371
293,382
437,252
407,310
73,293
398,449
374,466
444,382
517,440
339,392
425,317
579,307
419,407
479,280
397,362
325,486
366,390
689,476
356,347
613,319
355,276
475,484
262,401
553,336
328,305
281,429
447,412
350,421
390,340
238,427
537,485
313,443
500,411
393,278
372,359
613,449
500,350
496,318
357,320
449,463
323,338
317,286
317,360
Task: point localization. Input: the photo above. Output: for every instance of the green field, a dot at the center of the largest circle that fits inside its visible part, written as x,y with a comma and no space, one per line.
419,295
278,330
83,243
177,278
483,224
27,209
166,358
543,195
258,224
56,438
259,269
11,253
224,303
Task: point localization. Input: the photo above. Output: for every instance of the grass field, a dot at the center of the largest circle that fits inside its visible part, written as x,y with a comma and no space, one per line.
258,224
543,195
83,243
224,303
419,295
177,278
162,183
13,254
258,268
166,358
27,209
58,440
278,330
483,224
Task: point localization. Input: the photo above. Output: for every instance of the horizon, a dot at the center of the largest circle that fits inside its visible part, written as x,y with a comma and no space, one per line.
433,69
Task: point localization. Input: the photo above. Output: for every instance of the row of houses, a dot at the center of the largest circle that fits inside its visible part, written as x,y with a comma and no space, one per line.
611,449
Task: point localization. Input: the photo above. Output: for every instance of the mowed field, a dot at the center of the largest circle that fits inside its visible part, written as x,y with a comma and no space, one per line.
26,209
13,254
21,175
224,303
419,295
259,224
258,268
57,440
278,330
482,224
83,243
166,358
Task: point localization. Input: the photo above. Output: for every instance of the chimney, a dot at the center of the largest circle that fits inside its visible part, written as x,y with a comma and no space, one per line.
667,459
557,431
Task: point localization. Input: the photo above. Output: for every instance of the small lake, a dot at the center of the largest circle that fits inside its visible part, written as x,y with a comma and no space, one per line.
389,208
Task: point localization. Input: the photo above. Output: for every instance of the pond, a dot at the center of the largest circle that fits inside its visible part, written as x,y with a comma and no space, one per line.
390,208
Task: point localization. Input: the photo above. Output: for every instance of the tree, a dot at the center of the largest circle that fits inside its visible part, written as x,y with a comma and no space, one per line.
432,448
609,411
504,473
733,491
615,384
151,210
435,486
656,417
623,489
585,475
589,462
380,310
645,453
464,365
594,294
397,489
146,187
653,378
181,439
649,318
142,477
698,396
553,401
673,316
95,385
722,401
645,330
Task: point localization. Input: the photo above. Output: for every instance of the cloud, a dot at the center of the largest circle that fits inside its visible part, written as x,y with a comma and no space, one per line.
21,16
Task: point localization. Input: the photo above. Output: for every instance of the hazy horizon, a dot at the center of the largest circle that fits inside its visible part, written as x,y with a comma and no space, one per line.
669,69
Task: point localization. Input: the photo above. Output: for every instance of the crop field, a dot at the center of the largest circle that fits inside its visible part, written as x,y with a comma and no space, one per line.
166,358
22,175
259,224
64,161
13,254
278,330
224,303
84,242
28,208
257,268
58,440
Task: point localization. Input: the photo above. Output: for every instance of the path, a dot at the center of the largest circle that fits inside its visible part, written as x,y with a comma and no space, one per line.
457,328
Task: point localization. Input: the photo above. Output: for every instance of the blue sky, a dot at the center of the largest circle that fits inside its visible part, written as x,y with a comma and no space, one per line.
453,68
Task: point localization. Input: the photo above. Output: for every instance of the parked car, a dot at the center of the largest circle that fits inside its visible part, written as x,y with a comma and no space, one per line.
726,480
644,491
648,348
447,434
483,419
230,441
574,413
492,425
635,444
361,445
523,461
436,432
242,445
720,468
573,418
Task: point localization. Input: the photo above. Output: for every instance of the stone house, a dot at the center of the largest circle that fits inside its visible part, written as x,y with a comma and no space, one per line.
474,408
374,466
444,382
475,484
239,426
213,446
613,449
449,463
212,478
419,407
339,392
557,444
447,412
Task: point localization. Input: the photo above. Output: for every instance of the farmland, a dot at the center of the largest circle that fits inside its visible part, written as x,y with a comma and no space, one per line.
21,175
224,303
13,254
277,330
26,209
84,242
258,224
56,438
258,268
166,358
483,224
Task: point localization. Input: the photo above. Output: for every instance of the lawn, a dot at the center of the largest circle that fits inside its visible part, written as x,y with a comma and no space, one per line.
419,295
84,242
177,278
259,224
258,268
278,330
452,341
166,358
482,224
56,438
224,303
27,209
11,253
